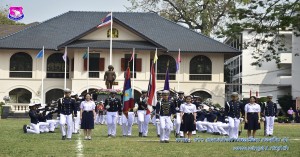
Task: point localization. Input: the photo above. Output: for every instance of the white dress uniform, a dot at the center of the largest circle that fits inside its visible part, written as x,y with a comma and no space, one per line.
143,117
127,123
270,110
233,111
113,106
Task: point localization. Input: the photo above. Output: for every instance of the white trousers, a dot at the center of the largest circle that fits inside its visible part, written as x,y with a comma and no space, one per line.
111,119
127,123
100,119
66,119
233,127
51,124
165,127
76,122
44,127
222,128
201,126
34,128
177,123
143,121
269,125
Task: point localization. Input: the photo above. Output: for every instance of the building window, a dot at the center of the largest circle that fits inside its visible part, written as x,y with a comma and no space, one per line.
54,94
200,68
162,67
56,66
20,95
137,64
20,65
115,33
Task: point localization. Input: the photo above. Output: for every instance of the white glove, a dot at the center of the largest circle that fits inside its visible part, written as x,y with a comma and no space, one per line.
226,120
241,119
177,109
263,119
107,107
157,120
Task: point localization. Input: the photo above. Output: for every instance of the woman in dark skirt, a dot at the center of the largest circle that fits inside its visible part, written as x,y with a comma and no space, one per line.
87,116
188,117
252,116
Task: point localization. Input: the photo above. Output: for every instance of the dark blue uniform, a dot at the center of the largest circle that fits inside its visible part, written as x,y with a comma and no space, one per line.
269,109
165,108
210,116
33,117
233,109
142,103
115,105
67,106
201,115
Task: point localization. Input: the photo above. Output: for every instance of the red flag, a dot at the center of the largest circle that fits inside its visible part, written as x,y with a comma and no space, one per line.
151,88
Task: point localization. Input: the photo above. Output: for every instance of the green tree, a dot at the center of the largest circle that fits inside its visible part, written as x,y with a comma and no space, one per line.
205,16
285,102
264,18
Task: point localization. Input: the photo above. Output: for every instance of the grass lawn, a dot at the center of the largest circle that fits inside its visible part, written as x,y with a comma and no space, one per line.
13,142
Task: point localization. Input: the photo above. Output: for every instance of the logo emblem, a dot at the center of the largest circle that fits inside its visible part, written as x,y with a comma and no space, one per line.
15,13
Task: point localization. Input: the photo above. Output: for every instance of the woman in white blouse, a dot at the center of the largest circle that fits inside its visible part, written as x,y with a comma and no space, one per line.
252,116
87,116
188,112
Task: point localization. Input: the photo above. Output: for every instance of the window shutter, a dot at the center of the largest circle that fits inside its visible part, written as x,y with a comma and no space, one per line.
85,65
101,64
139,64
72,64
122,64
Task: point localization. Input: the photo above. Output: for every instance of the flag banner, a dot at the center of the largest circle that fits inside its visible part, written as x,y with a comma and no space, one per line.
152,87
167,86
155,57
178,61
40,54
105,21
85,55
128,100
132,57
65,55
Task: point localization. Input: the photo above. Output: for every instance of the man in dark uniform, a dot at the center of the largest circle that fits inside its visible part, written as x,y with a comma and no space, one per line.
34,122
164,110
114,108
66,110
233,109
269,111
143,117
180,100
200,124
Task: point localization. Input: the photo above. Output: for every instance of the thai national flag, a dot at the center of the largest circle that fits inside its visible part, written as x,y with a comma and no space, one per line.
152,87
106,21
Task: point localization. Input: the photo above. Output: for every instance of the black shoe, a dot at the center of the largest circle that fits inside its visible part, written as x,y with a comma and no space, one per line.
158,135
51,131
166,141
181,136
162,141
25,128
109,135
176,135
69,139
140,134
144,136
204,131
63,137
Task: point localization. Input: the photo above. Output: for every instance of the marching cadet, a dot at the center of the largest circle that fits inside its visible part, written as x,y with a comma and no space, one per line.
156,123
269,110
76,120
114,108
180,100
233,110
164,110
66,107
34,122
143,117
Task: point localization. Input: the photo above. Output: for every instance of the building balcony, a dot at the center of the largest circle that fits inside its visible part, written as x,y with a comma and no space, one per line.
285,58
285,80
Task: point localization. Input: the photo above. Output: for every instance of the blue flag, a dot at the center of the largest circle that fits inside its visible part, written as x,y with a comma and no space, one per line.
40,54
167,86
128,100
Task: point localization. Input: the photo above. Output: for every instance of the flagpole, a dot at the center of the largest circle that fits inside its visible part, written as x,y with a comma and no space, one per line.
88,69
178,72
42,90
110,47
155,67
65,81
133,58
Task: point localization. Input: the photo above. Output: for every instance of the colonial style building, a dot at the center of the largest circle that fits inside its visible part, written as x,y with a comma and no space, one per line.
202,58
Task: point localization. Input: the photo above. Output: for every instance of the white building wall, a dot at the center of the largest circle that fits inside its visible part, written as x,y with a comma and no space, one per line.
296,66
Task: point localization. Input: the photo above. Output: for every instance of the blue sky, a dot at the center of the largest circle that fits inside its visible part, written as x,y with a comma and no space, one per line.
41,10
